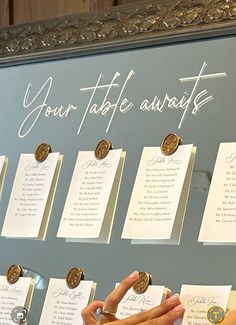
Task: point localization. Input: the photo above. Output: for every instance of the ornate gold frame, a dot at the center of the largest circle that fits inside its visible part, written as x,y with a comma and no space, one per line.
141,24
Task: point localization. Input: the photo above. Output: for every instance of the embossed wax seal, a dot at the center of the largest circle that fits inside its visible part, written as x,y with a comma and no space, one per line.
14,272
74,276
170,144
215,314
42,152
103,149
142,284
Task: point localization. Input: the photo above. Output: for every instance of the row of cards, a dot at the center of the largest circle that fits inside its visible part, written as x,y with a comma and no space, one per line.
157,205
63,305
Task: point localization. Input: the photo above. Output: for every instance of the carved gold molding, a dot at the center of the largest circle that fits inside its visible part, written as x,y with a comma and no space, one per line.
118,27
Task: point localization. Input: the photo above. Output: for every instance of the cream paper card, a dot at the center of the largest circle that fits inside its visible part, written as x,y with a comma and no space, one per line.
158,202
63,305
219,219
232,300
198,299
32,197
3,169
91,201
133,303
14,295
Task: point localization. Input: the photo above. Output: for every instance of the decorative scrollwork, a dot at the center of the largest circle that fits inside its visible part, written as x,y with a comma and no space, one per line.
117,25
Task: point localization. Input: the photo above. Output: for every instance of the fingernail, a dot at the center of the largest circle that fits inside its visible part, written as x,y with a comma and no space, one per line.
173,298
179,308
133,275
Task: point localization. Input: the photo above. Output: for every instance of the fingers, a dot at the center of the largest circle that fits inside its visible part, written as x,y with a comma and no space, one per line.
230,318
88,313
169,318
165,314
114,298
168,294
111,302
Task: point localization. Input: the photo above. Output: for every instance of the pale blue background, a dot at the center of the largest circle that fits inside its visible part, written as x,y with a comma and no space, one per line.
157,71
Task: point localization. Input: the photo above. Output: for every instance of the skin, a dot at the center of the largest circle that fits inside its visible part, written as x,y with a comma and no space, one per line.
164,314
230,318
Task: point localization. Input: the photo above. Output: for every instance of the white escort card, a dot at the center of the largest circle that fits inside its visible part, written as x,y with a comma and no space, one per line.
32,197
91,201
13,298
133,303
3,169
158,202
63,305
197,300
219,219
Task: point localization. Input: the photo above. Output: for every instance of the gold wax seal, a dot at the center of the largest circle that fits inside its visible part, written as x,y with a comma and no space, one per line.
42,152
103,149
170,144
215,314
142,284
74,276
14,273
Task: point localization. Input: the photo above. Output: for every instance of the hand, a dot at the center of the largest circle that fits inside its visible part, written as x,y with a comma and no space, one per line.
165,314
230,318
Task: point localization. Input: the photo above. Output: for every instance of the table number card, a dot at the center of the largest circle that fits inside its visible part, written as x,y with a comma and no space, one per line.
198,299
14,295
91,201
3,169
134,303
219,219
32,197
158,202
63,305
